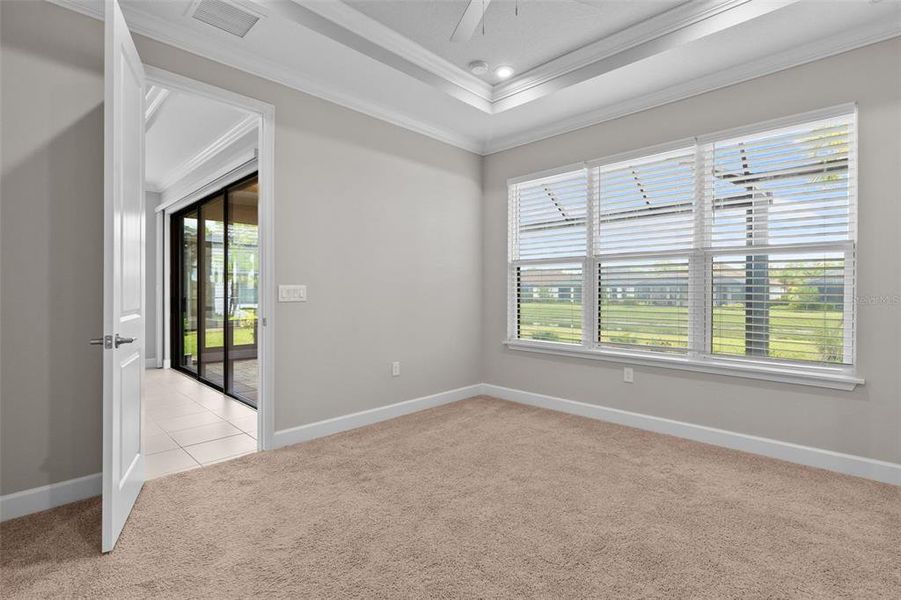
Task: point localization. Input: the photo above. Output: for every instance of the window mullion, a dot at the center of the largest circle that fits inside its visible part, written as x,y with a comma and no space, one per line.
698,297
512,268
589,270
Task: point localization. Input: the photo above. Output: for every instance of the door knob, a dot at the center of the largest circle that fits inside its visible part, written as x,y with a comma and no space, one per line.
123,340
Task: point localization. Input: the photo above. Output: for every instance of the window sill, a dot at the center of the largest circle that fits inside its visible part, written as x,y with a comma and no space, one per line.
824,377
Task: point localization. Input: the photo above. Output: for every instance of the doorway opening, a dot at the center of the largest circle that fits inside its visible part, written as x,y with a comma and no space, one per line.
208,198
215,283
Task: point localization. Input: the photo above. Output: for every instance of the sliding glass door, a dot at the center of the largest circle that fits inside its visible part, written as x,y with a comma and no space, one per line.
243,277
215,258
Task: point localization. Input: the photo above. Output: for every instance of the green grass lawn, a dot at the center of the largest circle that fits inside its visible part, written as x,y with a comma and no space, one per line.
215,338
794,334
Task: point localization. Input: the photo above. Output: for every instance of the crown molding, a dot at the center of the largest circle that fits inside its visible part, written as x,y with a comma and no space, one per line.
721,20
675,27
660,25
297,13
209,47
154,99
247,125
359,23
850,40
89,8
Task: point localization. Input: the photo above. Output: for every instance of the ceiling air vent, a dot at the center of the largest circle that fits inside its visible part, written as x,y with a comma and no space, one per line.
225,16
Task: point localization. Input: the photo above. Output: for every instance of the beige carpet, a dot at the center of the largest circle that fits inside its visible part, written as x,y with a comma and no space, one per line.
478,499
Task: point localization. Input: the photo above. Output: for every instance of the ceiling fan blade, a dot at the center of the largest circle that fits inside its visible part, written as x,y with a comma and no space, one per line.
470,20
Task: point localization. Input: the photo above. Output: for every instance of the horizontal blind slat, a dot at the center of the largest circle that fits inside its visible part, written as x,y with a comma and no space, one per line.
548,302
550,217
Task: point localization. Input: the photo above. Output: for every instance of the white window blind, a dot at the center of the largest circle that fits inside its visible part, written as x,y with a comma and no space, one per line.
644,234
644,303
548,241
646,205
786,197
789,186
549,302
550,216
736,247
784,305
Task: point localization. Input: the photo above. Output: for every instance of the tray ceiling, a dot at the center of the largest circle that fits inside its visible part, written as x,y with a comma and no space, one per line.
394,59
523,34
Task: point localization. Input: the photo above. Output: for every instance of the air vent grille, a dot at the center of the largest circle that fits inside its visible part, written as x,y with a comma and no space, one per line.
225,16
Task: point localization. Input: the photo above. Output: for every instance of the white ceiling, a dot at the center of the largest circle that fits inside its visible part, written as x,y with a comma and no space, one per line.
542,30
183,127
392,64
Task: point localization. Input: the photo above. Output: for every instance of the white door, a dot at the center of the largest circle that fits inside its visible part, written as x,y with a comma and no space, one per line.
123,275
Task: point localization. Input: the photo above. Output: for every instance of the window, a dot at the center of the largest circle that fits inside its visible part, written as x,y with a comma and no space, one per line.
549,224
735,250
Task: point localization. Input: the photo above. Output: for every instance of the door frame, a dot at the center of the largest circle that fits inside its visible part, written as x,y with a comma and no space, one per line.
265,166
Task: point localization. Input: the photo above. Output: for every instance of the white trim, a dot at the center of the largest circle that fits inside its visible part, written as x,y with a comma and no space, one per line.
151,363
801,55
213,149
545,173
50,496
849,464
649,29
266,349
824,377
57,494
192,189
174,81
265,114
370,29
846,110
303,433
159,288
180,37
153,102
734,13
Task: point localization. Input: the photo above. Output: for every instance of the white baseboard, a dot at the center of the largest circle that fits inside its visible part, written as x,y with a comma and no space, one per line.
167,364
302,433
64,492
849,464
151,363
49,496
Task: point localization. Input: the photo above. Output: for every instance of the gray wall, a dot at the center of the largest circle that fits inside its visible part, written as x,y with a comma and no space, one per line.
52,255
382,224
401,240
867,421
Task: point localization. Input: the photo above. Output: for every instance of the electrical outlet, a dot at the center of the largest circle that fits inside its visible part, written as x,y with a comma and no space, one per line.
395,369
628,375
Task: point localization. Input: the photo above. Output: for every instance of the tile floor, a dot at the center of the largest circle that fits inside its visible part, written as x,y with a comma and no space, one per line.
188,425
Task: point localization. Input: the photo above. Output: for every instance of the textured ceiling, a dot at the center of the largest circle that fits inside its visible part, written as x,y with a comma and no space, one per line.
543,30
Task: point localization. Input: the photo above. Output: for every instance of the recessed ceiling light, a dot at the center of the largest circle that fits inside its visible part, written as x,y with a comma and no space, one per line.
503,71
478,67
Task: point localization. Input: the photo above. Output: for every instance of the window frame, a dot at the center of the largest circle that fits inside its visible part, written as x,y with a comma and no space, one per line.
699,356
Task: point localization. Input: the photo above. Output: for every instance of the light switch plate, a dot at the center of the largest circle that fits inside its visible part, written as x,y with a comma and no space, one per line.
292,293
628,375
